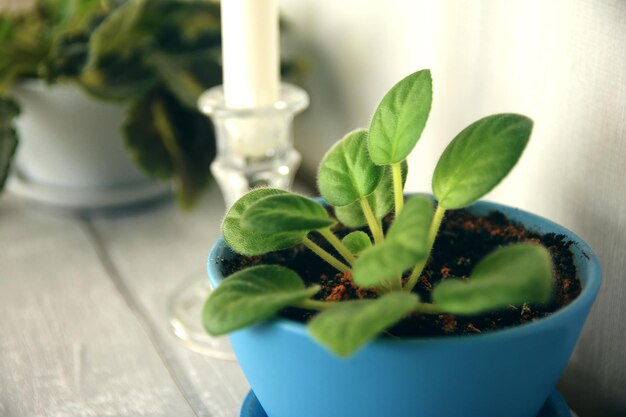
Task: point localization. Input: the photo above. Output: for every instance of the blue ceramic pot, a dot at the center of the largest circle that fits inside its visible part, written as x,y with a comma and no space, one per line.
506,373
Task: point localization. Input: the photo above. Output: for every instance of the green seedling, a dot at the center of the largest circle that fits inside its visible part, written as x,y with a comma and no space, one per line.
363,177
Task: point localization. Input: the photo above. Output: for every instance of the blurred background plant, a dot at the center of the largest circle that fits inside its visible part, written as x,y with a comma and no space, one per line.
156,56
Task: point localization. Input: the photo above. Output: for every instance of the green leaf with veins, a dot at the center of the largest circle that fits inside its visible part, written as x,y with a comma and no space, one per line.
357,241
286,213
248,241
347,173
479,158
513,275
405,245
351,324
188,75
381,201
135,47
400,119
169,141
117,68
34,44
252,296
190,26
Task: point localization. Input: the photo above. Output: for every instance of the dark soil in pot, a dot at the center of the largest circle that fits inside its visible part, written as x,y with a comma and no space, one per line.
463,240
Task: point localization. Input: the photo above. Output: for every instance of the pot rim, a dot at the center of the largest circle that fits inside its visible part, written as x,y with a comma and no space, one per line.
589,271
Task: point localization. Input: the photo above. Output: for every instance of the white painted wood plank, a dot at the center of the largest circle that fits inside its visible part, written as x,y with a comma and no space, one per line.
69,344
154,252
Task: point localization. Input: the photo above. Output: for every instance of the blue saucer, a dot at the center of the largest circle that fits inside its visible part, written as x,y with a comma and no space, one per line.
555,406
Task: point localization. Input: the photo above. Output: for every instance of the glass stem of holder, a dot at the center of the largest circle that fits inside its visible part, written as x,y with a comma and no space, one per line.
254,149
254,145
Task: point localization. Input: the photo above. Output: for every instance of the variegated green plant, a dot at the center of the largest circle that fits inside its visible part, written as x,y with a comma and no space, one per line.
155,56
362,176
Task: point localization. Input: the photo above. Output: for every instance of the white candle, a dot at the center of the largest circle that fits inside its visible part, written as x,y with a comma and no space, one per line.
250,46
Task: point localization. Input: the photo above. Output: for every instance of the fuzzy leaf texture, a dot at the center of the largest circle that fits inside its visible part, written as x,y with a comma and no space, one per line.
381,201
9,110
479,158
351,324
400,119
405,245
357,241
286,213
347,173
248,241
513,275
252,296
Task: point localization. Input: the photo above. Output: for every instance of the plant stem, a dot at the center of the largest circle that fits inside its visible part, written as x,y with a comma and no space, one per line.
372,221
338,244
415,274
316,305
432,234
396,170
325,255
427,308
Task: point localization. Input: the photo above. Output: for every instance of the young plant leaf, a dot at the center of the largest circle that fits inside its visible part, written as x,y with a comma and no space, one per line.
400,119
406,244
479,158
513,275
248,241
381,201
286,213
350,325
420,213
347,173
251,296
357,241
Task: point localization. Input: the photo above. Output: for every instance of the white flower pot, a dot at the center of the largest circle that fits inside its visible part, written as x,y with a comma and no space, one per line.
71,152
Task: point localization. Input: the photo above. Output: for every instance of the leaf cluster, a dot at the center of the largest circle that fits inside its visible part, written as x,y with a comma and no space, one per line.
155,56
363,177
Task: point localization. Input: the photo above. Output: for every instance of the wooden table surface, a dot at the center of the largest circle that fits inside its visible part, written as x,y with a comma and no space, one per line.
84,329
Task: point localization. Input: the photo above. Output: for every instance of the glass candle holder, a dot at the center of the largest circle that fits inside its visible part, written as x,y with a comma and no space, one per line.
254,145
254,149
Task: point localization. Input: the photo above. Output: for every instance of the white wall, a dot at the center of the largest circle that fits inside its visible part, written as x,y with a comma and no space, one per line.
562,62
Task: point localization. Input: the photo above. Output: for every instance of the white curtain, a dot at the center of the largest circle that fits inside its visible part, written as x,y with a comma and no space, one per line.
562,62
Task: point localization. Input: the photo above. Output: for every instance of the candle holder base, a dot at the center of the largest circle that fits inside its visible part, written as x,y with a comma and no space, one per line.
185,317
254,149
